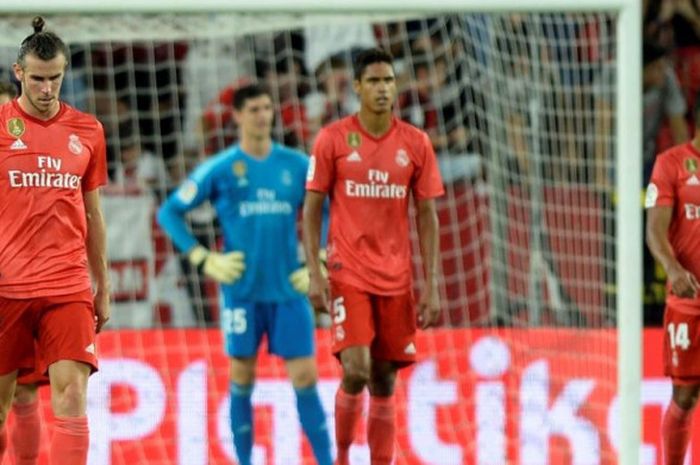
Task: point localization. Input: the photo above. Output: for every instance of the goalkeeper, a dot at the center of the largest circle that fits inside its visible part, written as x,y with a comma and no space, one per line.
257,190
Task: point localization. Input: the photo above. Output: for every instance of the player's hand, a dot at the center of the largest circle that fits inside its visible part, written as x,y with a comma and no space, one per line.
102,307
300,278
319,292
429,307
225,268
683,283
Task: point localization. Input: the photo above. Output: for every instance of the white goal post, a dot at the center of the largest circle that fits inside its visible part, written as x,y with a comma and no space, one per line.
627,126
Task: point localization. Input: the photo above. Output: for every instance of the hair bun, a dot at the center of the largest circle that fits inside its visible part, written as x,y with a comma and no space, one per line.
38,24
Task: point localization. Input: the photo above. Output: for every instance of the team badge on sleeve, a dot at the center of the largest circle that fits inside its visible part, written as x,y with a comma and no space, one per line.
15,127
187,191
311,170
652,195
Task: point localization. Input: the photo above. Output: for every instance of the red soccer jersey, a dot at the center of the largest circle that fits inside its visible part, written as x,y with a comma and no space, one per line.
369,181
45,167
675,182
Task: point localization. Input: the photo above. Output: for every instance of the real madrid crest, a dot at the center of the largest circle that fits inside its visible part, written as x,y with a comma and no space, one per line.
402,158
354,139
691,165
240,169
74,144
15,127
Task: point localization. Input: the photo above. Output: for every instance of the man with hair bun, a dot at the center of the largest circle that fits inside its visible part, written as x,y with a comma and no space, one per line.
54,284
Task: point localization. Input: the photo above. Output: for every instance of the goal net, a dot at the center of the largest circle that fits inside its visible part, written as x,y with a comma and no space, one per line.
521,109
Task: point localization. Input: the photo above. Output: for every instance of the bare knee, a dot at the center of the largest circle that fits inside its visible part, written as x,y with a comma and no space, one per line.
242,371
302,372
25,394
69,399
355,376
383,379
686,397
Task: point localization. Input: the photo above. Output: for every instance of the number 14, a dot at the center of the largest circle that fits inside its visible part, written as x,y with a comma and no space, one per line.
678,335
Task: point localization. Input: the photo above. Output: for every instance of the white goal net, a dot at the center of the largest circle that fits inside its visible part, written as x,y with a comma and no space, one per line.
521,109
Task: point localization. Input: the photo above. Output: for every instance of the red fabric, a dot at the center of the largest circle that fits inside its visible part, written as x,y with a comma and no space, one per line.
3,441
386,324
69,445
26,434
675,182
45,168
64,328
682,359
381,430
370,181
348,410
675,431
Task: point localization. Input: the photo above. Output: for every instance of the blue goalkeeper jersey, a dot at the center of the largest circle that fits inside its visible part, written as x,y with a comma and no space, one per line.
257,202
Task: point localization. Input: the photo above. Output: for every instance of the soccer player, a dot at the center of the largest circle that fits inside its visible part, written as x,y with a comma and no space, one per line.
52,161
26,434
673,237
257,190
370,164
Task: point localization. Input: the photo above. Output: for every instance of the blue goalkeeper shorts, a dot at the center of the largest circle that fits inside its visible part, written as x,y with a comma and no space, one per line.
289,327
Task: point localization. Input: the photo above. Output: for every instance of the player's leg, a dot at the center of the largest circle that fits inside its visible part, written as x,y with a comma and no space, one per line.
678,423
242,329
291,336
7,391
17,353
26,435
681,355
66,342
381,424
352,331
393,347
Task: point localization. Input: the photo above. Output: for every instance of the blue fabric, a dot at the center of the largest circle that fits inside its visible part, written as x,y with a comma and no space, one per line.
257,202
313,422
289,327
241,417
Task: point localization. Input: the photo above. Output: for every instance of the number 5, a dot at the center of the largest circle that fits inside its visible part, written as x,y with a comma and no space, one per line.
339,312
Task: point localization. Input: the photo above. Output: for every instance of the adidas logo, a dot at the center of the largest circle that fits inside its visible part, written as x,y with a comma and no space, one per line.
18,145
90,349
693,181
410,349
354,156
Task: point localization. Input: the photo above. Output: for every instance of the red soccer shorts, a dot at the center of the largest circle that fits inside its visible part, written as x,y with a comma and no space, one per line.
35,333
385,324
682,342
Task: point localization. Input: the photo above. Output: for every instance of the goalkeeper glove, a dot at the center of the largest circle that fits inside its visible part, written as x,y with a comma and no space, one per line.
225,268
300,277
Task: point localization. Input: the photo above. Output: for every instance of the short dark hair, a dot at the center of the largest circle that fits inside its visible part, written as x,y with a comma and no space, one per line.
7,87
247,92
45,45
369,57
652,52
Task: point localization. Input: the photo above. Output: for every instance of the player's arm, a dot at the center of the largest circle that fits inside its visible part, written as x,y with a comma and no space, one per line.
428,235
683,283
311,222
96,246
224,268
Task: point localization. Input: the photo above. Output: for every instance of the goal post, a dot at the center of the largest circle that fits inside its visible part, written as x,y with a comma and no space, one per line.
159,20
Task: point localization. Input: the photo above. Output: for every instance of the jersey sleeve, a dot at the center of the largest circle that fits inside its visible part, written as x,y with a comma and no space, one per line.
321,171
191,193
428,182
661,191
96,172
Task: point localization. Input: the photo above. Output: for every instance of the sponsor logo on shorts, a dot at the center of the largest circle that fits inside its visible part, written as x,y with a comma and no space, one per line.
90,349
674,358
339,333
651,196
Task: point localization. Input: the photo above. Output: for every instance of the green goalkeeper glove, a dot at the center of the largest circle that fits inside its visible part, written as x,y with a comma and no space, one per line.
225,268
300,277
